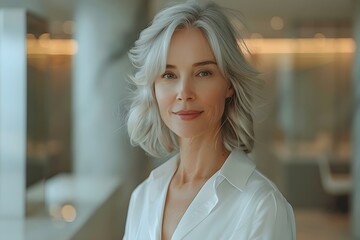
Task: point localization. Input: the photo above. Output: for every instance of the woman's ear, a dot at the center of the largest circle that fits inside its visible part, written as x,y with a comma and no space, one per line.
230,92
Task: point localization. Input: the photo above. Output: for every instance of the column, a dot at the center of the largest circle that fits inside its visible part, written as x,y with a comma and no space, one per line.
12,113
105,30
12,122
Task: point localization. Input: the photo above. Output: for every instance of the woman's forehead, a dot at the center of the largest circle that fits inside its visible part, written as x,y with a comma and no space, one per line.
190,45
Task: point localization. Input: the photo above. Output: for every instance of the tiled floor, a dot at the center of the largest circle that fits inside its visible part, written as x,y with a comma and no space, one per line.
321,225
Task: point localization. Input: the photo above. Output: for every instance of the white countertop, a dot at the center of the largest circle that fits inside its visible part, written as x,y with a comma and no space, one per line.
70,202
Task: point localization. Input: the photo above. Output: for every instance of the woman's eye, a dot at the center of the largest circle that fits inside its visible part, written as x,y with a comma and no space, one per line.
204,74
168,75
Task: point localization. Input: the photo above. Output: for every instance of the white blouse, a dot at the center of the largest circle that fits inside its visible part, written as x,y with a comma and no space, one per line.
237,202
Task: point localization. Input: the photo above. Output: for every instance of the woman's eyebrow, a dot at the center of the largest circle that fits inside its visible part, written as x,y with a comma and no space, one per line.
170,66
202,63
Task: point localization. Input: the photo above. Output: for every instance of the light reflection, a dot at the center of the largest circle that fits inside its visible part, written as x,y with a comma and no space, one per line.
52,46
277,23
44,40
301,45
68,213
30,36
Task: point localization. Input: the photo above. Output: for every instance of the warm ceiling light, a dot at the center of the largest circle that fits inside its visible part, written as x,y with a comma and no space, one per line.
277,23
301,45
52,46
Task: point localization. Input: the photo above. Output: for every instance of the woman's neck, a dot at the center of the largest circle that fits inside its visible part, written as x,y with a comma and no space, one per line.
200,159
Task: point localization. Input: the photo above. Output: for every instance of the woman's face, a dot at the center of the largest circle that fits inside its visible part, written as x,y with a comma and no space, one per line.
191,92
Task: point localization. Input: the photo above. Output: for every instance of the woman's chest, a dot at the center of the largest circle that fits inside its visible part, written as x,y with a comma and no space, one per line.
176,204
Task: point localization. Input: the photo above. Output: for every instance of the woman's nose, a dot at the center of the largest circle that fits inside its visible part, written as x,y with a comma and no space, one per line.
186,91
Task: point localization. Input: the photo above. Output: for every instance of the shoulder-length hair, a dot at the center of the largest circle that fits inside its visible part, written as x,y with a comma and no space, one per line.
149,55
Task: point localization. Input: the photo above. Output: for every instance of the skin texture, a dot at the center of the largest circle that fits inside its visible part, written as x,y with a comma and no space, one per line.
191,96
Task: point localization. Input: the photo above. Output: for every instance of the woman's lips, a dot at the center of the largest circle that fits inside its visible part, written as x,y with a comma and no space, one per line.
188,115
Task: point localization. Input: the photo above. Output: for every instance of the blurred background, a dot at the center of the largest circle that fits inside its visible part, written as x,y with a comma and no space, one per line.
66,166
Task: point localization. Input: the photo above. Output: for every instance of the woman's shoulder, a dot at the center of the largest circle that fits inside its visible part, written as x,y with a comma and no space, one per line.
259,182
266,199
261,190
241,172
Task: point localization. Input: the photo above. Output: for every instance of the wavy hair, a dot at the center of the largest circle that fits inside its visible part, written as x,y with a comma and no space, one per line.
149,54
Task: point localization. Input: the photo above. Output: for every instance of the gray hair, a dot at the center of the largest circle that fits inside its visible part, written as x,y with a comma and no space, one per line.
149,55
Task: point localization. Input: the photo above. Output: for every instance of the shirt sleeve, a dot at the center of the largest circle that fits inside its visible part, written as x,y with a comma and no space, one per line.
270,217
273,219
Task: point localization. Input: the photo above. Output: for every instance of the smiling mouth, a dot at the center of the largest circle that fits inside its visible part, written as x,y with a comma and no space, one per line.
188,115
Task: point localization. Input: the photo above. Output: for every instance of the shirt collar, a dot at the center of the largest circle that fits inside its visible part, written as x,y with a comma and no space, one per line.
237,169
166,169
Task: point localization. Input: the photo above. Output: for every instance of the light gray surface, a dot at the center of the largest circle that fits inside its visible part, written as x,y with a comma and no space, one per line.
13,113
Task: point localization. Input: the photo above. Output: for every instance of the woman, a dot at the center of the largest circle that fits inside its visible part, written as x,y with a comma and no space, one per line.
194,97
